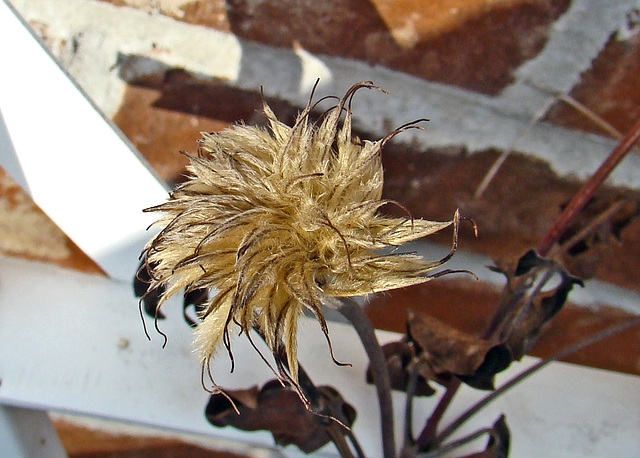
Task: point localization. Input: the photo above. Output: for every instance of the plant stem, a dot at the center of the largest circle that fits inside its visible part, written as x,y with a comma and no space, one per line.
356,445
431,428
459,443
611,330
587,190
408,440
561,224
493,170
353,312
336,434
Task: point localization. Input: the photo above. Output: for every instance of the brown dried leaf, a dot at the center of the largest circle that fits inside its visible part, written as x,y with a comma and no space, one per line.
438,352
497,359
399,355
530,307
445,348
280,411
444,352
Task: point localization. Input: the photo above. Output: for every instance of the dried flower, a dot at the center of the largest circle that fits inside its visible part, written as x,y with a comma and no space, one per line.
272,220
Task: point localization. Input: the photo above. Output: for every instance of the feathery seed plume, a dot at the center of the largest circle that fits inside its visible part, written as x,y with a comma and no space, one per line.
273,220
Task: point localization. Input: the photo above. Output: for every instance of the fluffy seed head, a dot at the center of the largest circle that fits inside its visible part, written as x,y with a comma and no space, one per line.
273,220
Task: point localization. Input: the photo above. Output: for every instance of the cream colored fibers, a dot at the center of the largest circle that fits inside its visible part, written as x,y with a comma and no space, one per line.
273,220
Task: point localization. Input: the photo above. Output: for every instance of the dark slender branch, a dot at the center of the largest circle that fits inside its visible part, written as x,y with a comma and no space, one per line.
356,445
558,228
430,429
409,440
459,443
587,190
353,312
336,433
509,300
592,226
589,340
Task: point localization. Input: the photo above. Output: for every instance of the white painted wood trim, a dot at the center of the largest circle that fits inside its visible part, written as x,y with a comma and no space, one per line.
74,342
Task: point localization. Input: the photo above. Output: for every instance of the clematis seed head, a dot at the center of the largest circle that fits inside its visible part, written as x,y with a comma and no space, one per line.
273,220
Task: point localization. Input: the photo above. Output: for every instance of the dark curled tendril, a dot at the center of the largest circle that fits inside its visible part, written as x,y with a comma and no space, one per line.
144,324
442,273
263,357
226,340
158,330
197,297
145,268
313,91
405,209
216,388
454,245
326,112
328,223
319,316
305,389
144,275
402,128
283,369
395,228
346,99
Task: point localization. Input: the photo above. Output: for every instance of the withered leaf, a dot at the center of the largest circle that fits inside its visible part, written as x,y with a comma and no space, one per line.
399,355
528,307
437,352
444,352
497,359
448,349
529,261
279,410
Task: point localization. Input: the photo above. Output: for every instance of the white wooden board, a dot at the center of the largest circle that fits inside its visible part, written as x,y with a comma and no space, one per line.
74,342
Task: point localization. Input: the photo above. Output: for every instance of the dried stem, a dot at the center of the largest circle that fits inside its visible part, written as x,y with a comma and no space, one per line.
459,443
585,111
573,103
592,226
589,114
353,312
336,433
587,190
589,340
408,440
356,445
493,170
425,439
561,224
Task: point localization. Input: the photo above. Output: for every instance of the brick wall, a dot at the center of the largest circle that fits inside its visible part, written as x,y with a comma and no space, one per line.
480,69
